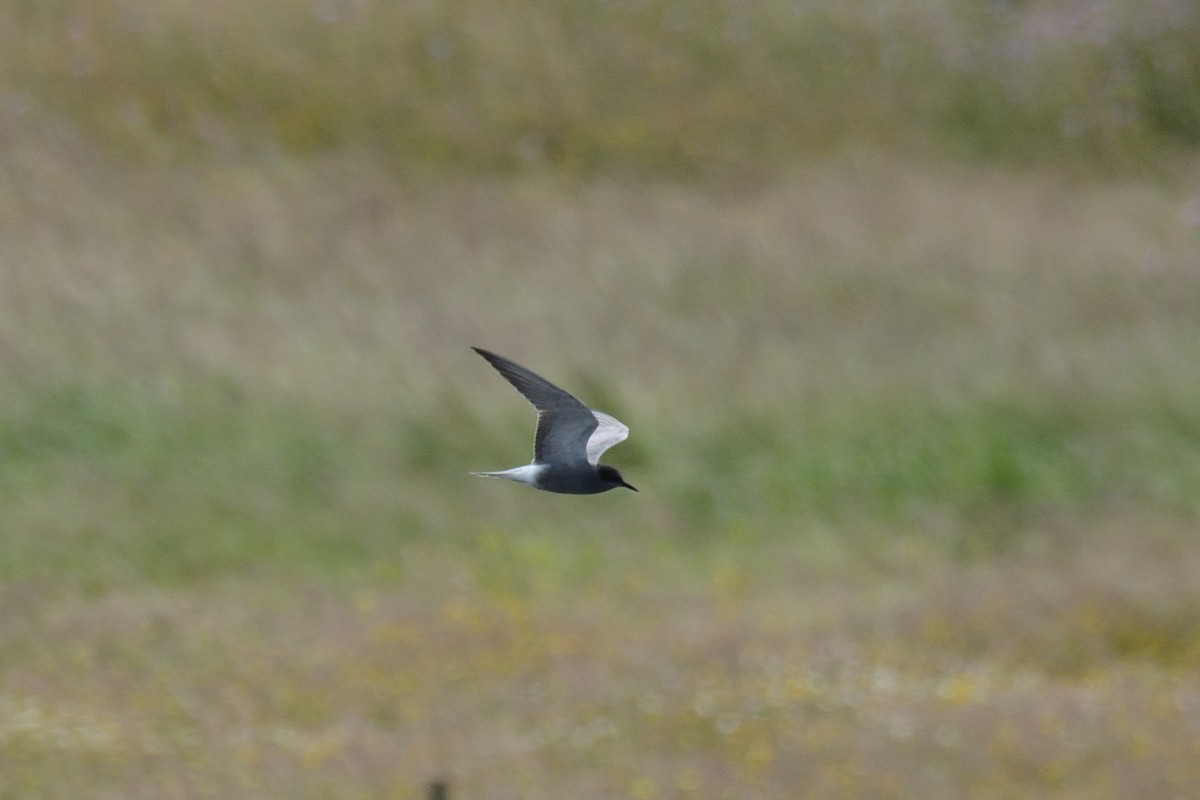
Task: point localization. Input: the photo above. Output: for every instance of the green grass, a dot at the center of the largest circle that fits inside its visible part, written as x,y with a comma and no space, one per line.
216,484
912,390
588,87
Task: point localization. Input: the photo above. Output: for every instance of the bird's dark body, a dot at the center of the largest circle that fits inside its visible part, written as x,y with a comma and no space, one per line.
581,478
570,479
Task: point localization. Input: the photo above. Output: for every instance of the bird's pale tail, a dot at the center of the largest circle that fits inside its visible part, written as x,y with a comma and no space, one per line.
526,474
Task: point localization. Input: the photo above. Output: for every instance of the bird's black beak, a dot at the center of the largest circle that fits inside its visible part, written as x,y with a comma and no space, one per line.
627,486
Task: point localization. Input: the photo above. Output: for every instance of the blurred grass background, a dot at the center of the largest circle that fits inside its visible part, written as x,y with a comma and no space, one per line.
675,89
900,301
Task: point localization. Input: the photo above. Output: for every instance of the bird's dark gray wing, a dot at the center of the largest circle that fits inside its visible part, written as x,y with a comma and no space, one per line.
564,424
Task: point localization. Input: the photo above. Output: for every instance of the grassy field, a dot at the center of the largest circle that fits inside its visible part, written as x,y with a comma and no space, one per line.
910,351
712,87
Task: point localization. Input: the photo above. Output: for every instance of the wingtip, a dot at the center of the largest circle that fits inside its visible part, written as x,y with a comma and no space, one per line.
487,354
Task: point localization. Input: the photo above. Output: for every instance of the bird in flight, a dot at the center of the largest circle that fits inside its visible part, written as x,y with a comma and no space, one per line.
569,439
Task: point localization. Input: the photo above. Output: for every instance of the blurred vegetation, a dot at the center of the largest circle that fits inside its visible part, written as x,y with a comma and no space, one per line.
243,365
898,299
711,87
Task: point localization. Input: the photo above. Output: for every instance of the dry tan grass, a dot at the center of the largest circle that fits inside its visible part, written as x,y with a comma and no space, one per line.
770,677
862,270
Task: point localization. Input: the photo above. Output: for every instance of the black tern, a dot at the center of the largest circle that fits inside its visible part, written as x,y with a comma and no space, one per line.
569,440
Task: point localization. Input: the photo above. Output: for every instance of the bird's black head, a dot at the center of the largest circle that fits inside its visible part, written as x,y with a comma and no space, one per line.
611,477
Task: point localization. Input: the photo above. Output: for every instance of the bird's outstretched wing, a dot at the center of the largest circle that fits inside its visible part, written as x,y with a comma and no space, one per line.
567,430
